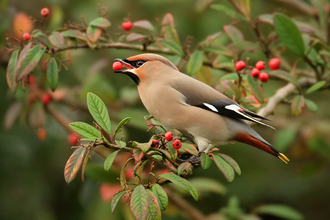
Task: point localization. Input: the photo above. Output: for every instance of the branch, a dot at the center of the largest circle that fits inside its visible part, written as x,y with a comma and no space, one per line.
184,206
281,94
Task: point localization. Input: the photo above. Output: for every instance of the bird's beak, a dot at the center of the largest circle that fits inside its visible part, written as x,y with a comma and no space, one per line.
128,67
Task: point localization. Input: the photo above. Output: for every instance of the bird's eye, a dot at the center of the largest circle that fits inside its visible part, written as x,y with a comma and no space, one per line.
139,63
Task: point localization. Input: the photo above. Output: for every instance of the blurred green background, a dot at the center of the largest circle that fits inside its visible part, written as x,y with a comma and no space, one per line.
32,185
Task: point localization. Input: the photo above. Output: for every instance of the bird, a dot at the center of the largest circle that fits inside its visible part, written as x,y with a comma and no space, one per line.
201,113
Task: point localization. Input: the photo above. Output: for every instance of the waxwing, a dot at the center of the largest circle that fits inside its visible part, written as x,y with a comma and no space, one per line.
200,112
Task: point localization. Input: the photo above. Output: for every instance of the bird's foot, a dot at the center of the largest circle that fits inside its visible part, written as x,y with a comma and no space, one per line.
194,160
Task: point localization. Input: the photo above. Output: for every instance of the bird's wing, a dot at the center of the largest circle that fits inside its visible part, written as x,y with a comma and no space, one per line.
203,96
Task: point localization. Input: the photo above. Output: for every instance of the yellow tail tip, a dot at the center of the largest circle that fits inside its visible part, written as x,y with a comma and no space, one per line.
283,158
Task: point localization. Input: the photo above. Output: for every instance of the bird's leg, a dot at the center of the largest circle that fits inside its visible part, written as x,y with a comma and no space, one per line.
194,160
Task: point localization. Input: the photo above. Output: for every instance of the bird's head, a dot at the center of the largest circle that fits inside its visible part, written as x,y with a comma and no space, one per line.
145,66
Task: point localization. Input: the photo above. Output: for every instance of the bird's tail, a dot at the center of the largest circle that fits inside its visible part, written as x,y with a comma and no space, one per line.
261,144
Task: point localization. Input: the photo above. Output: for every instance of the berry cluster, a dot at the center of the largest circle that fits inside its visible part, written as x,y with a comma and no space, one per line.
274,64
169,137
44,13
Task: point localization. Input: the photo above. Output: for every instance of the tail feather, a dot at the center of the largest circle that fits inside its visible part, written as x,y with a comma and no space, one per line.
262,145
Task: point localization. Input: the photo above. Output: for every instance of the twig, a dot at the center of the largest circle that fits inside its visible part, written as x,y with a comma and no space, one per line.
184,206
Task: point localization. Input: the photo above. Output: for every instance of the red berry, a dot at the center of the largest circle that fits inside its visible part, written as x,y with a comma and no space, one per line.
127,25
155,143
44,12
31,80
255,72
263,77
46,98
42,134
274,63
260,65
26,36
176,144
117,65
169,136
72,139
240,65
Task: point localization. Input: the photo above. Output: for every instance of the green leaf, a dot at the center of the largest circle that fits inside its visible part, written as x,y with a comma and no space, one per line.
56,39
311,105
139,203
297,104
116,199
213,186
183,166
161,196
285,76
289,34
255,88
145,24
232,163
224,167
73,164
108,162
281,211
121,144
230,12
27,62
190,149
168,28
321,14
99,111
195,62
284,138
235,35
230,76
205,161
154,212
121,124
75,34
11,69
315,87
182,183
52,74
93,33
88,152
85,130
100,22
143,146
173,46
122,174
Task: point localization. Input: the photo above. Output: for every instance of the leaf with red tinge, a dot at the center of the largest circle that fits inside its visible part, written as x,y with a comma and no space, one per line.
224,167
154,212
168,28
297,104
12,114
195,62
205,161
93,33
134,37
137,154
161,196
143,146
52,74
84,165
183,167
139,203
11,69
255,88
73,165
100,22
122,174
22,56
75,34
145,24
190,148
57,39
235,35
232,163
181,182
27,62
109,161
116,199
